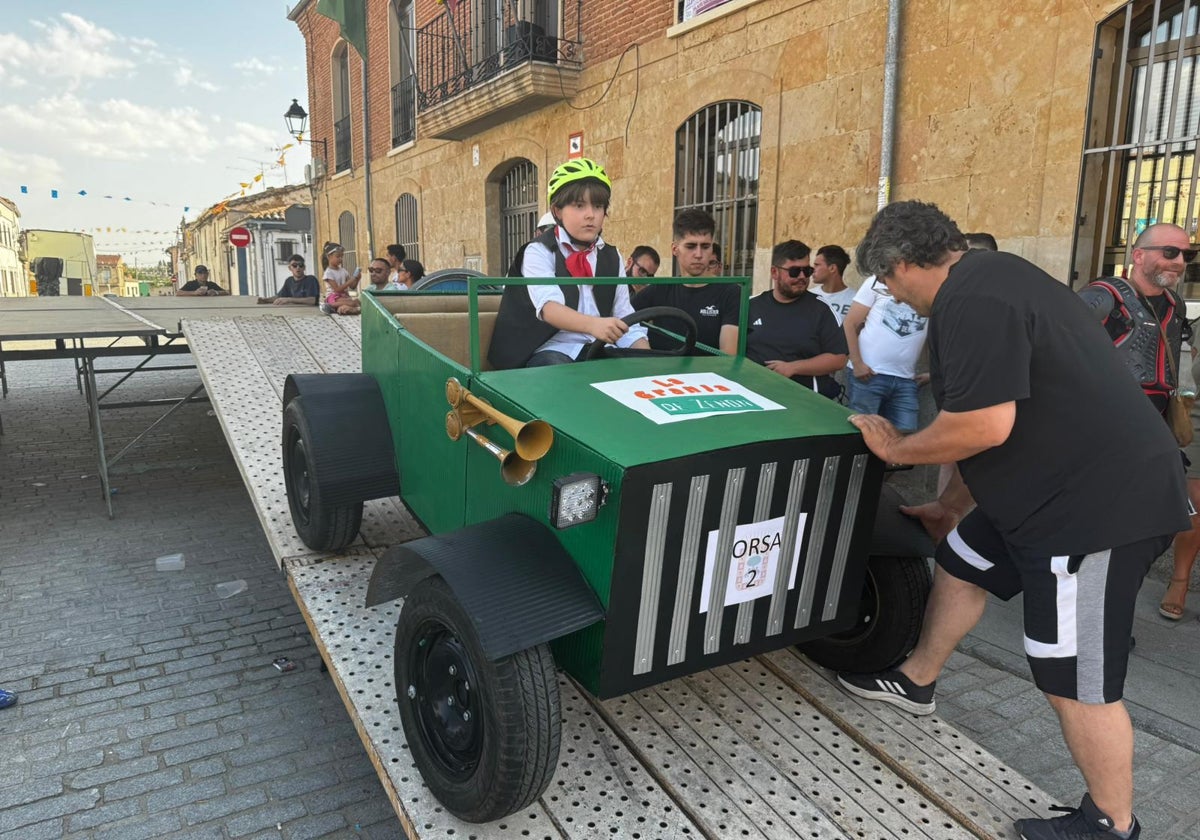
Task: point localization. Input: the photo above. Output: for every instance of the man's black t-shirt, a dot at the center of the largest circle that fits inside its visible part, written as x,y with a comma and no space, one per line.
711,306
306,287
194,286
785,332
1089,464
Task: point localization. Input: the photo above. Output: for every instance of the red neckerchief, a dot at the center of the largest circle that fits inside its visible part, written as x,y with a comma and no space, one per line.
577,261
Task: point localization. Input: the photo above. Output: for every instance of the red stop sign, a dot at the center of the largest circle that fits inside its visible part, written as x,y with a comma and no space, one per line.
239,237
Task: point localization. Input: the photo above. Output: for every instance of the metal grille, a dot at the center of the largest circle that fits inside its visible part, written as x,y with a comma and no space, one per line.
341,109
518,210
408,233
1143,124
346,237
404,92
404,111
478,41
667,606
716,170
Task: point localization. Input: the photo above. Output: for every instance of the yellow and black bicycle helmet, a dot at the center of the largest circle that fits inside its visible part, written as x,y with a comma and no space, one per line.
576,170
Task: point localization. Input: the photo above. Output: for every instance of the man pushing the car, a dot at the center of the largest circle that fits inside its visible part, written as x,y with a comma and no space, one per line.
1076,478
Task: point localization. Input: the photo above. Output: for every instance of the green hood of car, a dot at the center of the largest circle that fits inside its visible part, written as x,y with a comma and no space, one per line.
740,394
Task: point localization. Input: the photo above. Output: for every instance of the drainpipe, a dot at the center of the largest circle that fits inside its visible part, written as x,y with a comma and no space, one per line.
888,141
367,165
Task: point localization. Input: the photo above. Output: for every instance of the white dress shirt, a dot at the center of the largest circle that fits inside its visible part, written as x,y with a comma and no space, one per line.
540,262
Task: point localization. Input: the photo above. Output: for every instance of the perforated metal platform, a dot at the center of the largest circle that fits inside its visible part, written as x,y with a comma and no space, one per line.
244,363
766,748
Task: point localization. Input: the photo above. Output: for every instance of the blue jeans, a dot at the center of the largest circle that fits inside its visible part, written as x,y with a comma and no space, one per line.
891,397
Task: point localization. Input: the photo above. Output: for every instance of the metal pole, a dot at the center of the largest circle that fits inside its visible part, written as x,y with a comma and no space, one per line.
97,432
888,139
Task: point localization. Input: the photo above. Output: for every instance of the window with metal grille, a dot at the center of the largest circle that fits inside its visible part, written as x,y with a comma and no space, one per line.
341,107
346,238
284,248
403,52
1143,124
408,232
518,209
716,170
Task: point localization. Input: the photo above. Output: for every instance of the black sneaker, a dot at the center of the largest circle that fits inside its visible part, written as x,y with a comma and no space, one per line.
892,687
1082,823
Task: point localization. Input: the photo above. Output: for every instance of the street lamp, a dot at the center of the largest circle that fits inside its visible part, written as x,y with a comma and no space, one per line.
296,119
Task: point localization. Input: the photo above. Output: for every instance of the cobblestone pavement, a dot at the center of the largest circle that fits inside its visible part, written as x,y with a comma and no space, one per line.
149,706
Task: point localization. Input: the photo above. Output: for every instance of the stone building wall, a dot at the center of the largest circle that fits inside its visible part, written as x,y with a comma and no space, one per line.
991,109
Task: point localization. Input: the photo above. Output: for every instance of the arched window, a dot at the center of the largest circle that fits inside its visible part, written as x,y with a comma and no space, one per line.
518,209
716,170
341,106
1140,150
408,231
346,237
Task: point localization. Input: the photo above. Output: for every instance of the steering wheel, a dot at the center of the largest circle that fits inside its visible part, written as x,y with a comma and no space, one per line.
600,350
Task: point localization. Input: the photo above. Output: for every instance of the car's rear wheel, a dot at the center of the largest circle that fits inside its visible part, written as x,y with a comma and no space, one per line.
484,734
320,525
890,611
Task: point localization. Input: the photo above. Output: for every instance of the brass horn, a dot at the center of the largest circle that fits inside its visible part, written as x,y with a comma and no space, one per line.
532,440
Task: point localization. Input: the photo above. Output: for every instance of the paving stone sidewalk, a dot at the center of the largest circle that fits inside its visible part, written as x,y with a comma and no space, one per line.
149,705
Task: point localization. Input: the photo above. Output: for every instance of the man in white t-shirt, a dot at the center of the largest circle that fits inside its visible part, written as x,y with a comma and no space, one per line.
885,338
827,282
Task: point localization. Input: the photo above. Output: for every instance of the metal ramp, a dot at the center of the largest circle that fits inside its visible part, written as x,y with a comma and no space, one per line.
766,748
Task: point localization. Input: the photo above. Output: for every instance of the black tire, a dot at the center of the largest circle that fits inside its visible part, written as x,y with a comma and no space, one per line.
490,749
892,608
321,526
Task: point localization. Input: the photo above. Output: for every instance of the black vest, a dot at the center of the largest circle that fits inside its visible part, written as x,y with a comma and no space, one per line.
518,331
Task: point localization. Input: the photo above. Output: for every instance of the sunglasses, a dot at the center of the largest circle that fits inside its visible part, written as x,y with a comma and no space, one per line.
797,271
296,265
1170,252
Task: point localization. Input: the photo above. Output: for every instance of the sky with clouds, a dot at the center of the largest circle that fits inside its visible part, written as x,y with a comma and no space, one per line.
168,104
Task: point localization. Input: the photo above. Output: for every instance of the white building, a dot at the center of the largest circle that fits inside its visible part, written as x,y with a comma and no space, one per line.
13,282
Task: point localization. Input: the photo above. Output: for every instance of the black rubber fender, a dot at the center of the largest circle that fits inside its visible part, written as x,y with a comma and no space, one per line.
518,584
897,535
353,467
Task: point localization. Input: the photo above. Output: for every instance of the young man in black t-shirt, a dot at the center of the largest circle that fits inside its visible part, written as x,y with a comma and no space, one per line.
201,286
714,307
1077,482
791,330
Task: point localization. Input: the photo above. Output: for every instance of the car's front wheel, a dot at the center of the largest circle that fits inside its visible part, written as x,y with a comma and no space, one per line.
484,734
890,611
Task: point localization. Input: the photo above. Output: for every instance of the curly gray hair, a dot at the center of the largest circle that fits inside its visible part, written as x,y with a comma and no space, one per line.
908,231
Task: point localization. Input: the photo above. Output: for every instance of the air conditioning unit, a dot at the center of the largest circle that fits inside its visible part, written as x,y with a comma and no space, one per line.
314,171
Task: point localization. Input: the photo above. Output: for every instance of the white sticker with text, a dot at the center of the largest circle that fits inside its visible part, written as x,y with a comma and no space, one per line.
685,396
757,553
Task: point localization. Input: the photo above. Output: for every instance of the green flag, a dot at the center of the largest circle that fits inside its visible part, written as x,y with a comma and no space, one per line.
351,17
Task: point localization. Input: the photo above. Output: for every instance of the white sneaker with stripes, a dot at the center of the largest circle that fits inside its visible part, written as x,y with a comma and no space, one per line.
892,687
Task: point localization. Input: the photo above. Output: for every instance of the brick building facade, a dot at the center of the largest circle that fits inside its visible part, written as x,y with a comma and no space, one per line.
769,112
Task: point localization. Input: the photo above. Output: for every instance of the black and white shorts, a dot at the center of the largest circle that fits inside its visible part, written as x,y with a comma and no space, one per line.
1078,608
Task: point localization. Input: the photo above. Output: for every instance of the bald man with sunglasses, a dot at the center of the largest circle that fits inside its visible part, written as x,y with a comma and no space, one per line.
791,330
1140,311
